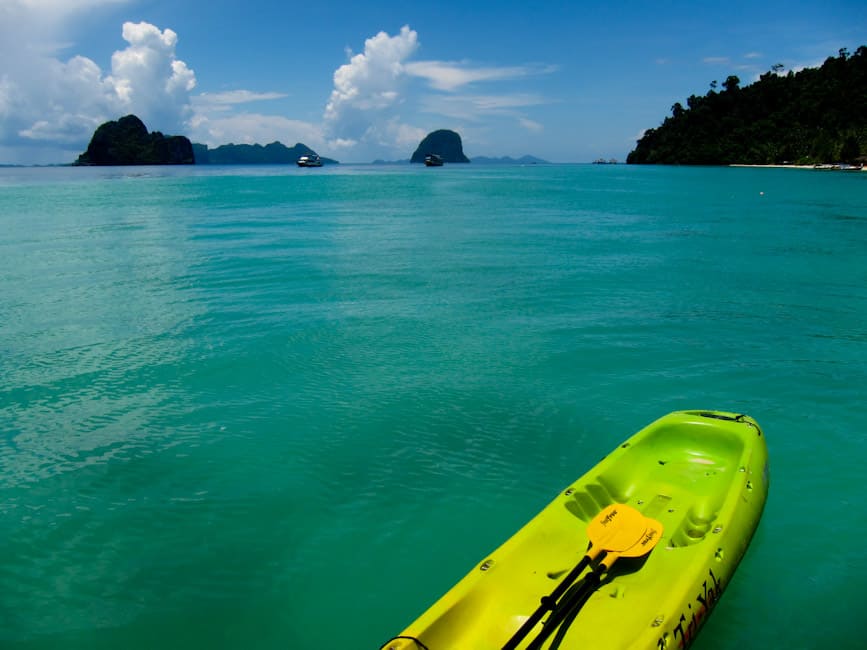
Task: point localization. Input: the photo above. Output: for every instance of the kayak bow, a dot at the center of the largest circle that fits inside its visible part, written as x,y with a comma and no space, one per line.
700,477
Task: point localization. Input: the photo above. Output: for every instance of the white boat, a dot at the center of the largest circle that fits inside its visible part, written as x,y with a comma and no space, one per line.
312,160
433,160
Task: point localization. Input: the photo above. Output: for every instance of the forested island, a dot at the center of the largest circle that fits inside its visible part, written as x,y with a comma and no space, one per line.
126,141
275,153
815,116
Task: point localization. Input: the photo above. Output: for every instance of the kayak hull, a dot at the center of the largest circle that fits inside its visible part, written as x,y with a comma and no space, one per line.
703,475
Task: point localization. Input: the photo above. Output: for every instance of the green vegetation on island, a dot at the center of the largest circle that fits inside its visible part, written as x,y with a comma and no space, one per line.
127,142
817,115
444,143
275,153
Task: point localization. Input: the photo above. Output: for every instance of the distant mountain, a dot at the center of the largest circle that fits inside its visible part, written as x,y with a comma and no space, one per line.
817,115
446,144
507,160
275,153
127,142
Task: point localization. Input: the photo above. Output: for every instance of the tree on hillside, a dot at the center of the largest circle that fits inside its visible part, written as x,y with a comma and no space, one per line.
813,116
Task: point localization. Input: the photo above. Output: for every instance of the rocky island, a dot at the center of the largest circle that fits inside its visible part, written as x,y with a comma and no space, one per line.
444,143
127,142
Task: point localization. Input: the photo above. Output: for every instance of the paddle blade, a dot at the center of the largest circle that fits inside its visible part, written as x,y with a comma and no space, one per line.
651,537
616,528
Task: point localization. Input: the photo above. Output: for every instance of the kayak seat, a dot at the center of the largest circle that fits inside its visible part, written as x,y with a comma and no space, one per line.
684,465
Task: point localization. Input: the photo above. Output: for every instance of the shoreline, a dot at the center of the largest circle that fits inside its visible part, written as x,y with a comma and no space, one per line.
821,167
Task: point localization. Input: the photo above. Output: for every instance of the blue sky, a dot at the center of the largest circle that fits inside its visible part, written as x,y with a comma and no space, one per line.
565,81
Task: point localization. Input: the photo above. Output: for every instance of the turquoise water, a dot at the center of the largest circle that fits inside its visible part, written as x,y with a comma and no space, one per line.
281,408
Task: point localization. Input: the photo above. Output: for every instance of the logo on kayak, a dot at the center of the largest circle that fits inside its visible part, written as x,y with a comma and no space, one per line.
692,619
609,517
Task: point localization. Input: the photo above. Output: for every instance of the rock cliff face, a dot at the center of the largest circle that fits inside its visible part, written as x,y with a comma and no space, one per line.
127,142
444,143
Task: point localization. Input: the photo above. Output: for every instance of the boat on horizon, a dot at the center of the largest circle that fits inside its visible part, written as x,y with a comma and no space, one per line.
311,160
433,160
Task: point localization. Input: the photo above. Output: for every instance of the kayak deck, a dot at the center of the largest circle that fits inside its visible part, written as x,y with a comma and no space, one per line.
701,474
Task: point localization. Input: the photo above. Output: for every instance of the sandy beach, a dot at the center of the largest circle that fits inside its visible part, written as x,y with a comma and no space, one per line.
823,167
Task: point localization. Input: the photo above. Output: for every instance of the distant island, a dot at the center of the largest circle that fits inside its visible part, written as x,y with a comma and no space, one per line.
815,116
127,142
482,160
444,143
275,153
506,160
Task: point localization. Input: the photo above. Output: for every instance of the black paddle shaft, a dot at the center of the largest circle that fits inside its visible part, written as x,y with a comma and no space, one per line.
548,604
569,608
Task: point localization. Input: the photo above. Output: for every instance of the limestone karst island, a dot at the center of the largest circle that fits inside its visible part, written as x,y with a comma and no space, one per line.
444,144
127,142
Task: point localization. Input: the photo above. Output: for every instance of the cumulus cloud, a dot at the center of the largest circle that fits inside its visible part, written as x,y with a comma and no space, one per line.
150,80
52,103
49,107
368,87
376,86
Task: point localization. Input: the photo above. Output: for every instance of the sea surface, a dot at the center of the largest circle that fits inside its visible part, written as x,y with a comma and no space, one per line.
269,407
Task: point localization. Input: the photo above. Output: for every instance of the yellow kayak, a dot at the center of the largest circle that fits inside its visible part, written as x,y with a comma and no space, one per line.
634,554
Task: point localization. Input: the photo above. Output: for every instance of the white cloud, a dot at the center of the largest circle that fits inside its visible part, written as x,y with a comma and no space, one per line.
367,88
233,97
488,103
374,88
393,133
254,128
716,60
450,76
481,108
217,121
530,125
50,107
150,80
63,6
51,104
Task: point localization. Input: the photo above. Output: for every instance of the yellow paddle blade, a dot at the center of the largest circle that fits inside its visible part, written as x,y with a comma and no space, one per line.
651,537
616,528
